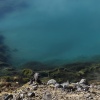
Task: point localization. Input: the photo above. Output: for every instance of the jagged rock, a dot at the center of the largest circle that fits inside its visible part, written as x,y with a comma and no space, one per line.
52,81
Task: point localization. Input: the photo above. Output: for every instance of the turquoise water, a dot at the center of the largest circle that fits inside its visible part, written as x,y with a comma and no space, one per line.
50,30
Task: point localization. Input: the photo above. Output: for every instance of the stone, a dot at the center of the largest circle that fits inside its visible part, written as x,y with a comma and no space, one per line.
31,94
52,81
65,84
82,81
36,76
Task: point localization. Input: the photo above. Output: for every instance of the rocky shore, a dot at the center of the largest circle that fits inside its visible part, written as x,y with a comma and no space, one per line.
37,90
53,91
43,92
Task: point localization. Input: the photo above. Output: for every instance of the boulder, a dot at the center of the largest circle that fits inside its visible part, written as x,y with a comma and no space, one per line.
52,81
65,84
82,81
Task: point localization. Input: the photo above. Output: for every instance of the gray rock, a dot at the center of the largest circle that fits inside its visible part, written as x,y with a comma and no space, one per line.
82,81
52,81
65,85
36,76
31,94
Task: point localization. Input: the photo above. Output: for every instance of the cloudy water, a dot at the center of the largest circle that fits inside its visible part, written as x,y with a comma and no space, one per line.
50,30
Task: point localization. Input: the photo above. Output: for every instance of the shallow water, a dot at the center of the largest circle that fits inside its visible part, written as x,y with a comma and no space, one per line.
50,30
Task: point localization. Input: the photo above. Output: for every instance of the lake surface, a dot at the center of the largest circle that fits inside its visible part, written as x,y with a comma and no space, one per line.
50,30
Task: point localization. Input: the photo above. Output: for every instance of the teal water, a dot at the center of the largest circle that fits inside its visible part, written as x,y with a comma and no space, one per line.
50,30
